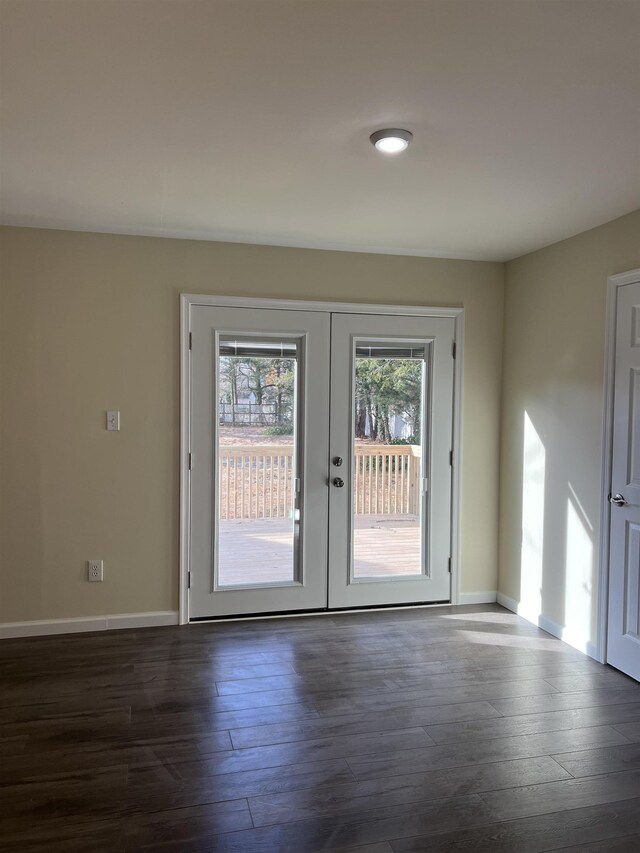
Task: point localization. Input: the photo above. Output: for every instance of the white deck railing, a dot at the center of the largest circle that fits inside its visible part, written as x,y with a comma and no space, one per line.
258,483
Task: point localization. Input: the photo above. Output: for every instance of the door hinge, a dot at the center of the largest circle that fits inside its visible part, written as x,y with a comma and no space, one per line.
188,580
453,348
190,340
189,461
451,458
449,565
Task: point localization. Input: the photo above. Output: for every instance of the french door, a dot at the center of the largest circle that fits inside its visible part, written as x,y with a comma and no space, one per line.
258,523
320,460
390,523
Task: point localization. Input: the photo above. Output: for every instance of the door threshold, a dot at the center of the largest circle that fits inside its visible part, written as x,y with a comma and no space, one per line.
323,611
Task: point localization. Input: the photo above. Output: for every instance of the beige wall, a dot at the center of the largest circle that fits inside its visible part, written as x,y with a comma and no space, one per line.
555,302
90,322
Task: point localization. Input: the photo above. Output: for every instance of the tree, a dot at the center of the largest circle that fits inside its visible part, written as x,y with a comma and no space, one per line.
281,378
269,380
386,387
229,384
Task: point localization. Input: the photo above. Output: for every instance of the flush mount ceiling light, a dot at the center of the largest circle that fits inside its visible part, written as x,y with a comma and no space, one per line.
391,140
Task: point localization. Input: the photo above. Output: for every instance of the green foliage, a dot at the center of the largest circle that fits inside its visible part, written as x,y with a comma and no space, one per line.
410,439
386,387
279,429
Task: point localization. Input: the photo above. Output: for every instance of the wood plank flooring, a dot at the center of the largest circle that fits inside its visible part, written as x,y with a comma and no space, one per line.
451,729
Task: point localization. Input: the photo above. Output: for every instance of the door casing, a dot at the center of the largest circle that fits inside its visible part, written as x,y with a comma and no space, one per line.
189,301
613,283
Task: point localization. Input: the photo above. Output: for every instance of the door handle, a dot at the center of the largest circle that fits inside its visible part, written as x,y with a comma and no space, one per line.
617,500
338,482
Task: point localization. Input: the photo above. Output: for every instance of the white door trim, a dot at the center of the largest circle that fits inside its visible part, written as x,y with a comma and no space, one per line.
613,283
190,300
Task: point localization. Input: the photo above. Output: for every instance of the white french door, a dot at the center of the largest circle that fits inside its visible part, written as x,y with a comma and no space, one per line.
390,503
258,523
320,460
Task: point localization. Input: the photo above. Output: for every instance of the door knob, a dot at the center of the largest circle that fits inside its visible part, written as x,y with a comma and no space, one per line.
338,482
617,500
337,461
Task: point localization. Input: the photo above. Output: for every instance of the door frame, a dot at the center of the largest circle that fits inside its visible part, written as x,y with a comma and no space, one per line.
613,283
188,301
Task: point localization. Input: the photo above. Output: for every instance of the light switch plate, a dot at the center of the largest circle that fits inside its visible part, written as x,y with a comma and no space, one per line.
113,421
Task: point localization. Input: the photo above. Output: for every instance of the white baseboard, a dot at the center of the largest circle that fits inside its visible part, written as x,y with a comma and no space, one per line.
46,627
581,643
509,603
477,597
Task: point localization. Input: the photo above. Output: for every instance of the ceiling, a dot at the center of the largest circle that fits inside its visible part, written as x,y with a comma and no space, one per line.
250,121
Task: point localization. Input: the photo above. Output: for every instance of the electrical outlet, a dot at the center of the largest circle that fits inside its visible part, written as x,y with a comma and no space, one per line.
96,570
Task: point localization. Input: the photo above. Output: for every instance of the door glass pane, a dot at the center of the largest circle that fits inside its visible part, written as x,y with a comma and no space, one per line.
387,504
257,506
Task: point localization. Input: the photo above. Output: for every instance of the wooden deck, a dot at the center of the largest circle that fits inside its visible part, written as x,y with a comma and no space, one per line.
261,550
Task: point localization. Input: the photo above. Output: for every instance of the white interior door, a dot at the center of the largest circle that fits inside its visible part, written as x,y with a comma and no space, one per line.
623,644
259,396
390,476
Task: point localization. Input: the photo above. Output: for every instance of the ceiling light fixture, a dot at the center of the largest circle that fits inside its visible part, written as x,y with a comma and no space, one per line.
391,140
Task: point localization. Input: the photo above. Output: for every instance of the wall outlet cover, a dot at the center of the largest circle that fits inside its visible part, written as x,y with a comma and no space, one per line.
95,570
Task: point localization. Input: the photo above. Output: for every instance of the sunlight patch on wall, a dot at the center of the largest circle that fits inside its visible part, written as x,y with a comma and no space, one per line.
533,476
578,573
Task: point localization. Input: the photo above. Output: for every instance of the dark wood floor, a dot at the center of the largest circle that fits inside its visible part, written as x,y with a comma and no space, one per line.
453,729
